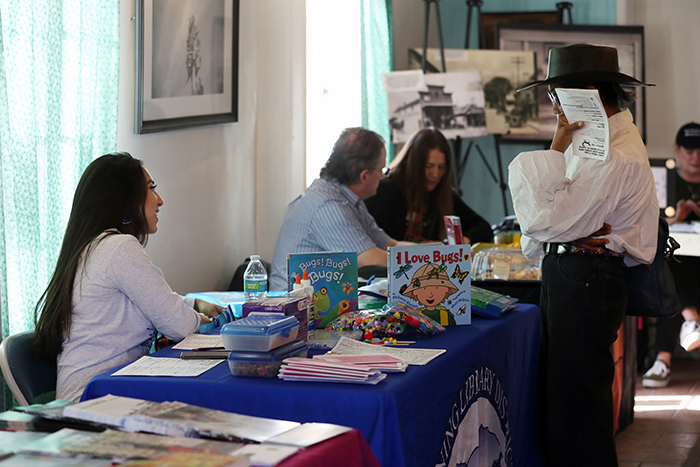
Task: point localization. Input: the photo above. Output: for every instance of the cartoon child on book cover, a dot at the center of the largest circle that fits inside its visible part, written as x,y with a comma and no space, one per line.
430,286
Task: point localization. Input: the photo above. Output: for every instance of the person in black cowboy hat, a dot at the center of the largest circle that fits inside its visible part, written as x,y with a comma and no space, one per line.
564,203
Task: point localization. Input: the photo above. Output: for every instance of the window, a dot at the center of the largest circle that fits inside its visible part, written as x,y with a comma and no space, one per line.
333,77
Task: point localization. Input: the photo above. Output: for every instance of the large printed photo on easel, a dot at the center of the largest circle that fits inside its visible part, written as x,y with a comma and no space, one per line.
502,72
450,102
540,38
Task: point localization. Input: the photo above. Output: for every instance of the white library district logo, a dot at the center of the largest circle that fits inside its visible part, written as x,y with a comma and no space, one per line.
478,431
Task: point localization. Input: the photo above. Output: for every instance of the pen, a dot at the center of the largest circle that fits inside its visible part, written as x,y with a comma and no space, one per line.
210,348
420,238
210,354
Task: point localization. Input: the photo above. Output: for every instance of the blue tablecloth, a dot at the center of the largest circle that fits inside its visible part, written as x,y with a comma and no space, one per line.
479,394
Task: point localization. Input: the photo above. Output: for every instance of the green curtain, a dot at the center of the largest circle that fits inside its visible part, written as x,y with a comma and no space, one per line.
59,83
377,58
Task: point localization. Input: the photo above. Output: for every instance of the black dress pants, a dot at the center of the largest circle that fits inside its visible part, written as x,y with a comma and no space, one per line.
583,304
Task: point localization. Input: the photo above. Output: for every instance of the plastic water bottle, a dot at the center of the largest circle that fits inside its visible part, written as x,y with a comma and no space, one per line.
255,279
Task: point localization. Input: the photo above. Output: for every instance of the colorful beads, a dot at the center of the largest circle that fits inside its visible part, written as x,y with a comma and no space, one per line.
384,341
372,323
392,320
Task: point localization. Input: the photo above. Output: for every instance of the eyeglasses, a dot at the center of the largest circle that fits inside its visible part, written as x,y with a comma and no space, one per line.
553,97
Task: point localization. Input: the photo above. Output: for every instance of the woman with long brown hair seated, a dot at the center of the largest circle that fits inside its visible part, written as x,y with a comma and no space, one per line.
410,203
106,298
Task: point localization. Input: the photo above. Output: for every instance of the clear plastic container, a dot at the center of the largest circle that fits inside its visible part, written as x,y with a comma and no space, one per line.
259,333
264,364
255,279
506,263
328,339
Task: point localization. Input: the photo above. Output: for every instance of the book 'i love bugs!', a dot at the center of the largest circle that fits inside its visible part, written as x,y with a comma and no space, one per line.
434,279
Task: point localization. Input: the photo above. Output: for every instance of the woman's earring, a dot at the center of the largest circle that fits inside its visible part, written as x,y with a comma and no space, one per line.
126,220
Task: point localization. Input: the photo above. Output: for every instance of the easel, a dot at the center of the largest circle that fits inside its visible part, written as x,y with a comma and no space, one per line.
460,161
471,4
425,33
564,7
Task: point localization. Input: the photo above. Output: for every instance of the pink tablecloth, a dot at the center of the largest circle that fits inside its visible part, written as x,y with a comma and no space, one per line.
347,450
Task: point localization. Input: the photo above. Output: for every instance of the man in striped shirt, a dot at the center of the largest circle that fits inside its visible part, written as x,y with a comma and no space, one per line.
331,215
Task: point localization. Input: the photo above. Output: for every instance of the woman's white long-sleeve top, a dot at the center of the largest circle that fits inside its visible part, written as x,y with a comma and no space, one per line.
119,300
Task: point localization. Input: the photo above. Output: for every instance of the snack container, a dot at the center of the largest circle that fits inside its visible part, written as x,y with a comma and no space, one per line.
506,263
327,339
285,305
264,364
259,333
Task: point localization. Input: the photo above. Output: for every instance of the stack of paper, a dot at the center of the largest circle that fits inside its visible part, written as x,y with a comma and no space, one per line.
347,346
186,428
107,410
306,369
120,446
180,419
381,362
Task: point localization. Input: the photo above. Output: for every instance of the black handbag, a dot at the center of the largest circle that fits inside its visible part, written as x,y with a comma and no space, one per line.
651,290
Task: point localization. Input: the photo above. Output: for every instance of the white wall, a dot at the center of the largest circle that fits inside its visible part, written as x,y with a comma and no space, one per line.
226,187
671,39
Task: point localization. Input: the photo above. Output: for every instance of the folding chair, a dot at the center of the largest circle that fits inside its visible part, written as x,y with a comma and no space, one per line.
27,376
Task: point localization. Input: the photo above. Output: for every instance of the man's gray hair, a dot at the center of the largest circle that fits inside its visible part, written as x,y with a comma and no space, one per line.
356,150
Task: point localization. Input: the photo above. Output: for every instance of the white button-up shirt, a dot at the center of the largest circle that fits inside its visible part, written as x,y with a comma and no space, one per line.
560,197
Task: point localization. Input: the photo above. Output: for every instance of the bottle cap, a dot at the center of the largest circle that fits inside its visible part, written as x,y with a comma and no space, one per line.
305,281
297,283
254,257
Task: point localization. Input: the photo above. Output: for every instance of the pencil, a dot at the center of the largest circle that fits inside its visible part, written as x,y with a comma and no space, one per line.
209,348
420,238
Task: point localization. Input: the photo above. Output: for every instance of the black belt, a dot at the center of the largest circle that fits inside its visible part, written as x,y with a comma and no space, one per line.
556,248
569,248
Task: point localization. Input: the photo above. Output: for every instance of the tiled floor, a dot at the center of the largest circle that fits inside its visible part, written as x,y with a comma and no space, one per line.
666,427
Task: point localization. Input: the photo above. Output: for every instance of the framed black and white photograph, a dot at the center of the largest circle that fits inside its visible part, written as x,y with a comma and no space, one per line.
450,102
540,38
186,64
502,72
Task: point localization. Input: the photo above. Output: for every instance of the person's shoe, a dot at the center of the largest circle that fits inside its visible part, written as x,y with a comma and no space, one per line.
690,335
657,376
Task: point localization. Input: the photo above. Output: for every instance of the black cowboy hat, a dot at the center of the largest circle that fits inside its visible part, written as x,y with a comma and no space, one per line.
585,64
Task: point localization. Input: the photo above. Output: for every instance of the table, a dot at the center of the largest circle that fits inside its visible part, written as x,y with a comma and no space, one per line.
481,392
690,243
687,235
349,449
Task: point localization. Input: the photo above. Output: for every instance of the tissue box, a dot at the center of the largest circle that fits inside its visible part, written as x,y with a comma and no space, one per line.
260,333
264,364
288,306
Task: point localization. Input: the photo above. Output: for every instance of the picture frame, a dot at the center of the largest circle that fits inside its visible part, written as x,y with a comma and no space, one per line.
502,72
540,38
186,64
491,21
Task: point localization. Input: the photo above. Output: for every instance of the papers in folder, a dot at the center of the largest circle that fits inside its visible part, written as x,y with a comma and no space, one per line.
306,369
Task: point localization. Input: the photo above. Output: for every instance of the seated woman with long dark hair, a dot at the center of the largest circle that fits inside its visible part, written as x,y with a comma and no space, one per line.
106,299
410,203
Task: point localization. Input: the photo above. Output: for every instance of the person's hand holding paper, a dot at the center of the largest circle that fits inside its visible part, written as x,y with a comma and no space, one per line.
584,105
565,130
